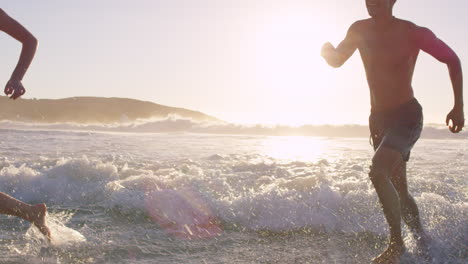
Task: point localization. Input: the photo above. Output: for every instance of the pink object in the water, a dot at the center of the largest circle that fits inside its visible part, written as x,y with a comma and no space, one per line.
182,213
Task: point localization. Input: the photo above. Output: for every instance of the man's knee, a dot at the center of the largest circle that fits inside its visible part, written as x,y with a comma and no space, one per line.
384,162
377,173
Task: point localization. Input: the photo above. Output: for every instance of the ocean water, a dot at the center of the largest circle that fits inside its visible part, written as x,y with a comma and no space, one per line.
192,198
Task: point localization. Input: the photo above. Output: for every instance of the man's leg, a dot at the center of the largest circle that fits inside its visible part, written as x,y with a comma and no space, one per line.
383,163
33,213
409,209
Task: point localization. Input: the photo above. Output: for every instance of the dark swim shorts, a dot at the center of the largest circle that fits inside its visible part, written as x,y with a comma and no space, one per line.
398,128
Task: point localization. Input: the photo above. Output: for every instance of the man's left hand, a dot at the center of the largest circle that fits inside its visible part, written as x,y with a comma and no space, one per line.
458,119
15,89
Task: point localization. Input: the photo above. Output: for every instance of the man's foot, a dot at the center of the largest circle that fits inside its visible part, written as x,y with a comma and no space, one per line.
40,212
392,255
423,246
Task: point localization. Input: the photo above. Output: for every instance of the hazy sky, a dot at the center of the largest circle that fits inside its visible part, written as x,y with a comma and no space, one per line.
255,61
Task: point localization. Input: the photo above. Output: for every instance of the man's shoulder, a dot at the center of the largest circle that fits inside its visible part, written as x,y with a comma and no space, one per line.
360,24
359,27
415,31
365,23
411,26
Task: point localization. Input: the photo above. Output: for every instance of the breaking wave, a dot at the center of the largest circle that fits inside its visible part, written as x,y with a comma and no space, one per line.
178,124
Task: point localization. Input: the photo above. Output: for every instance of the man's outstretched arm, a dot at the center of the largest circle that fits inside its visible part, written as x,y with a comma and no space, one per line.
336,57
18,32
429,43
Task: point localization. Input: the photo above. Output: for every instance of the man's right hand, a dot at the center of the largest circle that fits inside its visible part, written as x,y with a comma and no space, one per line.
327,50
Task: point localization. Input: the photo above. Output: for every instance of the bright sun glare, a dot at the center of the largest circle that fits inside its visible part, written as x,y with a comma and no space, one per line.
289,70
294,148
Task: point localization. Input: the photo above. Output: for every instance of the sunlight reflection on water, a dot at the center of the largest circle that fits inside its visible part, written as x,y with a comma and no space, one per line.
295,148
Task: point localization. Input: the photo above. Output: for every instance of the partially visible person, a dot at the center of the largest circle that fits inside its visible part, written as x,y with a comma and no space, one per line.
35,214
389,48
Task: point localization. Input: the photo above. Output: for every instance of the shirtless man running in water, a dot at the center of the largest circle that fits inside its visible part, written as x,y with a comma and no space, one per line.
8,205
389,48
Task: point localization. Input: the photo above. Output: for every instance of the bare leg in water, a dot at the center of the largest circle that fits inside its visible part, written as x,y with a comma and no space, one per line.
409,209
383,163
35,214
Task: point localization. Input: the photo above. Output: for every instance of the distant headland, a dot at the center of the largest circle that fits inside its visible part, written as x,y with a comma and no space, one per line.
90,110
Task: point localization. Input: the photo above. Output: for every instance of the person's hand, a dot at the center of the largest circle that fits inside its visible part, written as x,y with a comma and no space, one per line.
458,119
327,49
14,88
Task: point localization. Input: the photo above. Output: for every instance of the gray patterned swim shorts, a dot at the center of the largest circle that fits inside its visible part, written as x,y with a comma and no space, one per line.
398,128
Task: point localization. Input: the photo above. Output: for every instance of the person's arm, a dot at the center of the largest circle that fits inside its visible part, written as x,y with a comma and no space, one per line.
429,43
336,57
18,32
